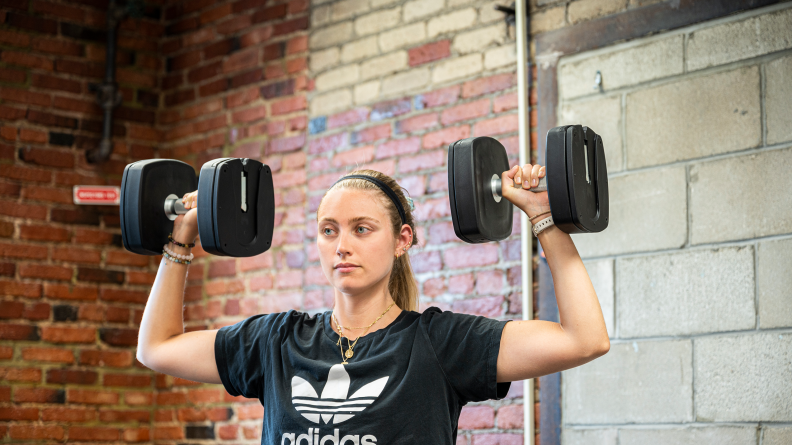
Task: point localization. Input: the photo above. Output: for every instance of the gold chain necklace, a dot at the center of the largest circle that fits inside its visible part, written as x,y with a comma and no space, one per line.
349,353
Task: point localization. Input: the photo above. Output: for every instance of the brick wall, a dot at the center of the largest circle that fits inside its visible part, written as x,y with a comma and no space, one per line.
692,273
387,85
395,83
549,15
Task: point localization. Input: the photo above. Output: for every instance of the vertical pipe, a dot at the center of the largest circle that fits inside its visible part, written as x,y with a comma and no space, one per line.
526,252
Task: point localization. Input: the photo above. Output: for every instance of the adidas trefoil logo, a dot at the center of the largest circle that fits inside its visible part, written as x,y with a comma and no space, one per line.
334,405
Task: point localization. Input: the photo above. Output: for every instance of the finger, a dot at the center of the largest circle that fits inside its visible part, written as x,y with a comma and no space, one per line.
535,174
510,173
526,169
542,172
518,177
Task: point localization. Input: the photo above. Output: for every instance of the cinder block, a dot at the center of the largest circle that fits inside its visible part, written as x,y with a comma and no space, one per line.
377,21
601,274
452,21
776,435
693,118
548,19
330,36
345,9
330,102
621,67
479,39
604,116
744,378
345,75
420,8
320,16
635,382
714,435
366,92
686,293
582,10
457,68
386,64
359,49
406,81
741,40
741,197
500,56
778,97
589,436
401,37
648,211
774,283
319,60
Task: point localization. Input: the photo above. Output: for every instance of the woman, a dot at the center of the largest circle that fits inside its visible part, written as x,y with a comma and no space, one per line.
373,370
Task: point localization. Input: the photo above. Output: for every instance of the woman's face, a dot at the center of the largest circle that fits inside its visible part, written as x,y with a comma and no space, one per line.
355,223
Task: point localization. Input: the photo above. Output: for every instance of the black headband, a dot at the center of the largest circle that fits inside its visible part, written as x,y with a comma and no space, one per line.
384,187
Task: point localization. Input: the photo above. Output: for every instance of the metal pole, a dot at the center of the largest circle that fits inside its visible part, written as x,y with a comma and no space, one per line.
526,251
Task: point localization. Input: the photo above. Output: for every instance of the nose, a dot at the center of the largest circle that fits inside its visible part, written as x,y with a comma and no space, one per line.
342,248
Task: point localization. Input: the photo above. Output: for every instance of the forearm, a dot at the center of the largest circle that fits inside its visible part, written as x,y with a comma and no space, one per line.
163,315
579,311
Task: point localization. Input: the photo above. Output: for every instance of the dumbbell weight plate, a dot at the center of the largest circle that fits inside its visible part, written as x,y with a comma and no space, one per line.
477,214
145,185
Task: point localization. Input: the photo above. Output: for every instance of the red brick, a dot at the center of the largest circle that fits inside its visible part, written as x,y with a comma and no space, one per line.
297,44
138,398
289,105
486,306
59,10
429,160
27,60
47,157
499,439
296,65
126,296
256,36
70,414
114,359
37,311
489,282
108,415
354,156
371,134
119,336
204,72
290,26
461,284
11,309
76,255
168,433
241,60
44,233
128,380
49,194
504,103
510,417
17,250
70,292
32,23
18,332
499,125
25,96
350,117
428,261
281,145
242,97
91,397
429,52
46,272
250,114
75,376
35,432
184,60
417,123
11,114
18,413
68,334
55,355
13,76
263,261
14,38
470,256
57,46
85,69
443,96
488,85
23,210
215,13
470,110
445,136
226,268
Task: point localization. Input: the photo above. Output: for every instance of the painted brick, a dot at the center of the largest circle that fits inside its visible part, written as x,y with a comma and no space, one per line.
470,110
400,83
401,37
386,64
398,147
332,35
420,8
477,40
451,22
429,160
377,21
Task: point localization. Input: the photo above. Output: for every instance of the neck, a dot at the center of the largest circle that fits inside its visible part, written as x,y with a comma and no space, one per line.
362,309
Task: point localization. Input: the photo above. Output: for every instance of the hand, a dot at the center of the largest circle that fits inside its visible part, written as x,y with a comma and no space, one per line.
185,227
529,202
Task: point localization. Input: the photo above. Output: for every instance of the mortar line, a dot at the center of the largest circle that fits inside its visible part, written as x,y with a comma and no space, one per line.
762,98
689,240
685,37
689,336
756,283
693,378
623,130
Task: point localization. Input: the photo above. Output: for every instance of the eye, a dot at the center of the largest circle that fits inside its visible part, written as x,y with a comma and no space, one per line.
361,227
325,231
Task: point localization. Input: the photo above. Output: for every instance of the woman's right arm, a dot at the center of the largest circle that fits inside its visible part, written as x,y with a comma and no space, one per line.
163,346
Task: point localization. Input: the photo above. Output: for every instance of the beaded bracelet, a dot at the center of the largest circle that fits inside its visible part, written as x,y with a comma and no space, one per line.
176,255
175,260
170,238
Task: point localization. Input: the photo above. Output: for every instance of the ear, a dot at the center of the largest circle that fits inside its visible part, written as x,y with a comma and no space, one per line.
404,241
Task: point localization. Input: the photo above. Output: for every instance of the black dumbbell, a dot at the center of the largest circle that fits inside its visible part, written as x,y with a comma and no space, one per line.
236,205
576,181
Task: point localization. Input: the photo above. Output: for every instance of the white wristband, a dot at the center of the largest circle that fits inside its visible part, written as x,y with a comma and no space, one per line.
541,225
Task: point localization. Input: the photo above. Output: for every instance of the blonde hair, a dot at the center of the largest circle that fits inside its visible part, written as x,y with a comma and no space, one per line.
402,284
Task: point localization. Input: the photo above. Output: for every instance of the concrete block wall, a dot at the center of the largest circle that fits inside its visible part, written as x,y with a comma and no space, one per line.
395,83
692,272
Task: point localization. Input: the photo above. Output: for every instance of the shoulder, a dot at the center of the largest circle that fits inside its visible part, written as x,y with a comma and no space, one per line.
277,322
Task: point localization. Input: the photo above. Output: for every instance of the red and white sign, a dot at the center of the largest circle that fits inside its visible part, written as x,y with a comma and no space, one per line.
97,194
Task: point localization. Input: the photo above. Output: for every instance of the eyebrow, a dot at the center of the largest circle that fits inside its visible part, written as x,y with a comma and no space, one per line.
351,220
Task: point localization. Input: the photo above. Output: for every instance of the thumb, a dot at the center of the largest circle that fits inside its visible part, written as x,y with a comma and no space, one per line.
508,182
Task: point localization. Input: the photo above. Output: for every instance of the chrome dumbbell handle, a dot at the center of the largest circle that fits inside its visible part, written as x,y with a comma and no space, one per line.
174,207
496,186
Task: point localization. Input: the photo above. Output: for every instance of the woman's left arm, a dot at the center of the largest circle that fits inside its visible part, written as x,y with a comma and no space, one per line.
534,348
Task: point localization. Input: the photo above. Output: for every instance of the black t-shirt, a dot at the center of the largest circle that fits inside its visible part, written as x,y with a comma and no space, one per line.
405,384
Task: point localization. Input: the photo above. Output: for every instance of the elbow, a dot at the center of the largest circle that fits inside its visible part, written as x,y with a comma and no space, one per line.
605,347
596,350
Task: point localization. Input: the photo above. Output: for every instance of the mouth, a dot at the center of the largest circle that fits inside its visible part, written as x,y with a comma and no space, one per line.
346,267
